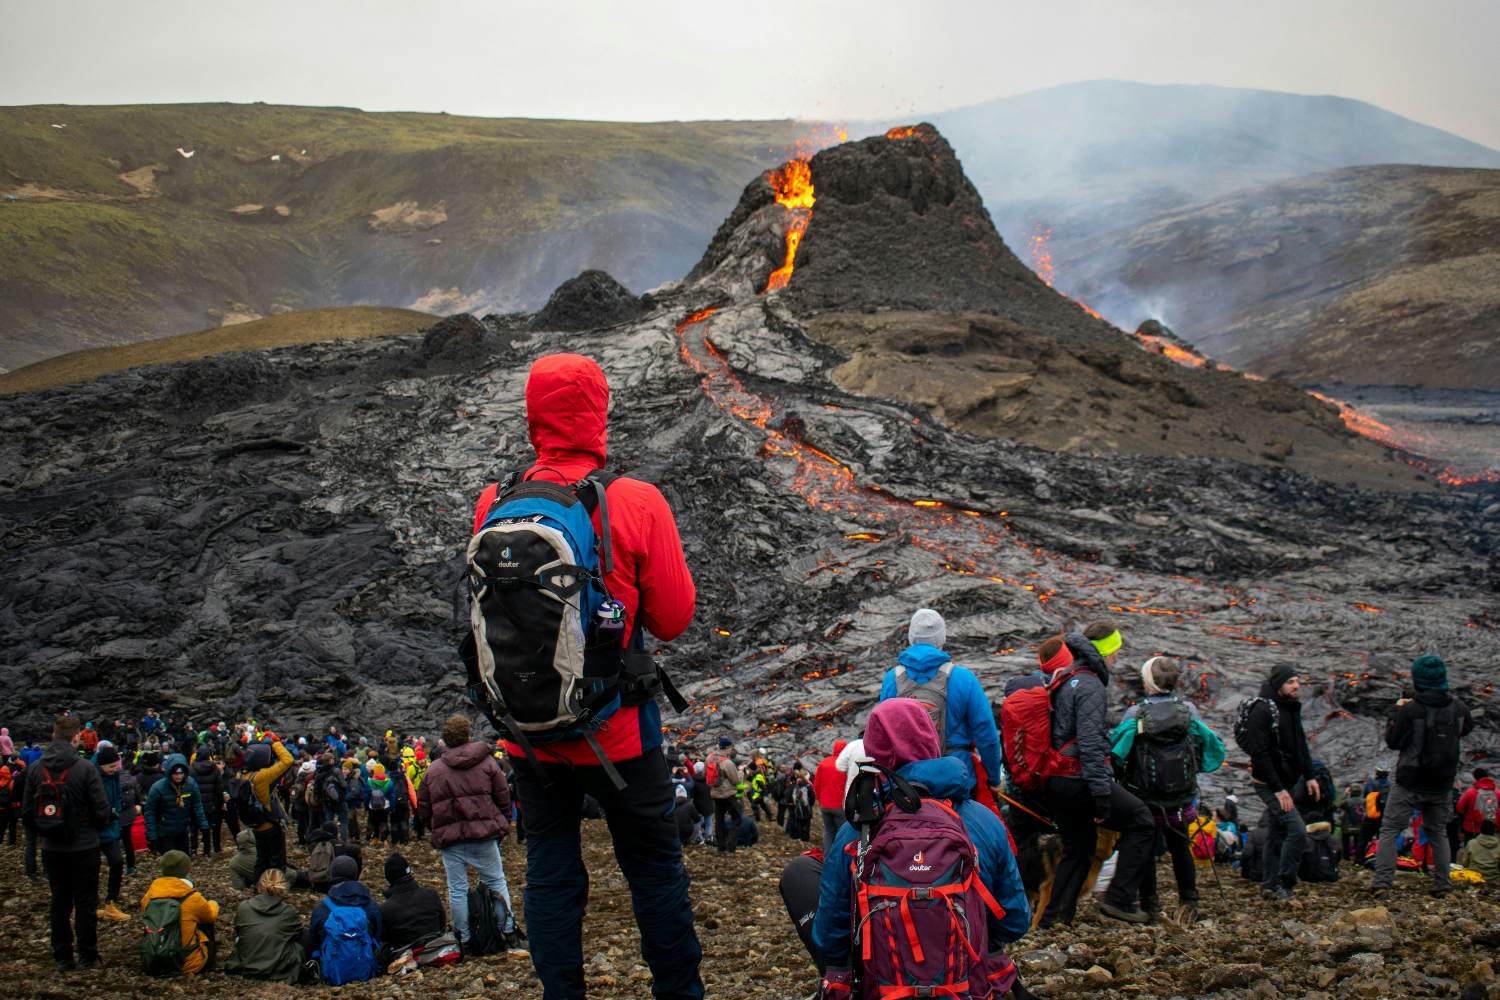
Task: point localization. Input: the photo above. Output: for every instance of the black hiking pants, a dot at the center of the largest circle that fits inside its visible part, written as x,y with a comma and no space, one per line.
114,857
1171,837
727,824
270,851
1073,812
800,881
649,851
8,819
74,879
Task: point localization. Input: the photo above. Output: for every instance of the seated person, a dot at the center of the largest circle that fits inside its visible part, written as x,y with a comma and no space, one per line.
749,834
242,865
1482,854
686,815
197,914
346,892
267,934
411,914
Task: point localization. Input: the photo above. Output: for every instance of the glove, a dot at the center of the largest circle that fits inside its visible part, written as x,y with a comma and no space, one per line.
1101,807
838,984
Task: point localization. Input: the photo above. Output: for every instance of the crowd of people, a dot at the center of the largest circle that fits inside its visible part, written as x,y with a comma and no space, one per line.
949,827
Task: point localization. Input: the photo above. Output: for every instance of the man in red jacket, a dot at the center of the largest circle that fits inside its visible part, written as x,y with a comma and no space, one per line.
1478,803
465,801
567,408
828,786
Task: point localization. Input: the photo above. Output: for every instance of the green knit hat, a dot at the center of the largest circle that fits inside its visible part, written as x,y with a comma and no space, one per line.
175,864
1429,673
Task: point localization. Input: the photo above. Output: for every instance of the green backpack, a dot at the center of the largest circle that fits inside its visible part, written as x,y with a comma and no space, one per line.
162,953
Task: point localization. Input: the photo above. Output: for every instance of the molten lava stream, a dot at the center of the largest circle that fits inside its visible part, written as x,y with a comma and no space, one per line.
793,185
961,541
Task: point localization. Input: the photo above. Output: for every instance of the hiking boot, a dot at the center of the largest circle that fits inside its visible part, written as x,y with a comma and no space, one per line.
90,961
1440,890
1187,913
515,942
109,911
66,965
1377,891
1281,894
1132,915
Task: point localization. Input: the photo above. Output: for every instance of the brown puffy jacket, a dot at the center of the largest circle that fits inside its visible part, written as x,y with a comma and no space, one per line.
464,797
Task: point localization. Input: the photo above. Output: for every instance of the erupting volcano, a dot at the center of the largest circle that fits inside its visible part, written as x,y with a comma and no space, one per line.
915,420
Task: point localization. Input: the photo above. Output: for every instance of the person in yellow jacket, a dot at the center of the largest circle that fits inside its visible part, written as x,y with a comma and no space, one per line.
270,834
198,915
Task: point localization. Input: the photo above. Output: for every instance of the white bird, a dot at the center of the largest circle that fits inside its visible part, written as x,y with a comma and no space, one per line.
187,154
59,126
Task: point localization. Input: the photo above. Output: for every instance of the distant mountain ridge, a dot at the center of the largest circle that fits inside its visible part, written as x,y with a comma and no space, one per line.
126,223
1084,157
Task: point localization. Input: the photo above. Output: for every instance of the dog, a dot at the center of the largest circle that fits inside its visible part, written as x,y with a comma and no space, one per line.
1040,858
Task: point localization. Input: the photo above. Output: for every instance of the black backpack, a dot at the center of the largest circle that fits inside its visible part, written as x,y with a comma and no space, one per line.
54,814
1163,764
1440,738
248,806
487,916
1242,721
1320,859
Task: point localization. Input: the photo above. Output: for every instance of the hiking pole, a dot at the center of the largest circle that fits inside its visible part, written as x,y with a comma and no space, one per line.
1034,815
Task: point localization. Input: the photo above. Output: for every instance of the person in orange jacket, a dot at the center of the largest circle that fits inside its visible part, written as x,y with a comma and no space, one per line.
198,914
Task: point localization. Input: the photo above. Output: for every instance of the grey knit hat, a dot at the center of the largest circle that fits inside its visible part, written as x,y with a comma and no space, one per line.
927,628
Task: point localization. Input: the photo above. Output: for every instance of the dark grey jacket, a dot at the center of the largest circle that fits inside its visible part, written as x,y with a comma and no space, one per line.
1080,716
1406,732
84,790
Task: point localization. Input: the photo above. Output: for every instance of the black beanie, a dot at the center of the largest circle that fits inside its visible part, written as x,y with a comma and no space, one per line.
106,755
1280,676
344,869
396,868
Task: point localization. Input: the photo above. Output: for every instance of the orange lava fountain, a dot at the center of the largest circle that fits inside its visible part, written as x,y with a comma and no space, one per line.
794,192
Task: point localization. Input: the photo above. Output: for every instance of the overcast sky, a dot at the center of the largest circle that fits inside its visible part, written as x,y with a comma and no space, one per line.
1434,61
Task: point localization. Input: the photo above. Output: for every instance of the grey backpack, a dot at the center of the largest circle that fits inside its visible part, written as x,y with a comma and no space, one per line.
932,695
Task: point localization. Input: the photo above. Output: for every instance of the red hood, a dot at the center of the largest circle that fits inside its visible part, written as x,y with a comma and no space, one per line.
838,746
567,410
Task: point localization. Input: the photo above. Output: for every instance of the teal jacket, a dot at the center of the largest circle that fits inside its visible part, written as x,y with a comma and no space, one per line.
171,809
1122,740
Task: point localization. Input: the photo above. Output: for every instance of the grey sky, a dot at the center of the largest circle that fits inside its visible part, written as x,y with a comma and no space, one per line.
1433,61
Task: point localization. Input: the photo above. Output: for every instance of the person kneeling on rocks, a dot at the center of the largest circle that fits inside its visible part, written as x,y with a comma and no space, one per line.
925,792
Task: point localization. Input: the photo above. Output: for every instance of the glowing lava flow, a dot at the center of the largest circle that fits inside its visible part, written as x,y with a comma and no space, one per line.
1041,263
794,192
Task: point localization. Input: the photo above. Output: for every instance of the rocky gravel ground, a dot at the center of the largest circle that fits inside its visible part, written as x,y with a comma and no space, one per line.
1333,941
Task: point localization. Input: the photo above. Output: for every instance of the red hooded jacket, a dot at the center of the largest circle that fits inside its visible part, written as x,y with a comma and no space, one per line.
567,415
828,781
1467,807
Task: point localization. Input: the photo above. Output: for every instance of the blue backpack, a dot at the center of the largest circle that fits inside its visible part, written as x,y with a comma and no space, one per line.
347,954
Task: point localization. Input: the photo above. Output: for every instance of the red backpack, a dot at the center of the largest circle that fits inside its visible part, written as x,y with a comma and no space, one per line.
1026,737
711,770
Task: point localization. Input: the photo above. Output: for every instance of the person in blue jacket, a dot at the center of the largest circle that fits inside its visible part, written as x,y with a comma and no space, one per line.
173,804
346,890
900,736
966,724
